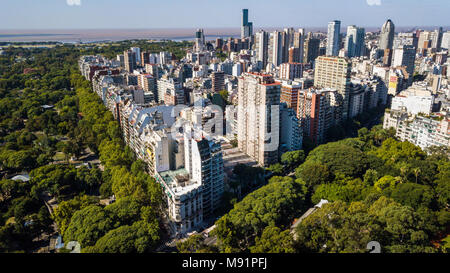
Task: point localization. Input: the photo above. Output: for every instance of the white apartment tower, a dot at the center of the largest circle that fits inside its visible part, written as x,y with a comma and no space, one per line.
334,32
258,117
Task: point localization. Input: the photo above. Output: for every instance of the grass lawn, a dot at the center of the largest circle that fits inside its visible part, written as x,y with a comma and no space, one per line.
59,156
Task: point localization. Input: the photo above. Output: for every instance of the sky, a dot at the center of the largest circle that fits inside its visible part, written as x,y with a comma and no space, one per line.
147,14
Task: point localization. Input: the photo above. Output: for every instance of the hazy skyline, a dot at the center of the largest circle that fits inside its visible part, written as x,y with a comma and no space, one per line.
99,14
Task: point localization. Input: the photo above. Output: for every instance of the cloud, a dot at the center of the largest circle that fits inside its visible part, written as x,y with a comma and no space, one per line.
373,2
77,2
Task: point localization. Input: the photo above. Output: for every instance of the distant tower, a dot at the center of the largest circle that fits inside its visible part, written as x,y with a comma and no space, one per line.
354,42
387,35
311,49
246,27
199,40
129,60
334,32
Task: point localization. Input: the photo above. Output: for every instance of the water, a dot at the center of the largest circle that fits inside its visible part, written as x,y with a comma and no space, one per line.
86,36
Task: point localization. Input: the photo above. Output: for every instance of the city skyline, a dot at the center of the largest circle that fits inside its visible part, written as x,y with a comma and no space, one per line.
70,14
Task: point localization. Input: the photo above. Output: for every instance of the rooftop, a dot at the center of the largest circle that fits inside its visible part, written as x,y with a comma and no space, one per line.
179,182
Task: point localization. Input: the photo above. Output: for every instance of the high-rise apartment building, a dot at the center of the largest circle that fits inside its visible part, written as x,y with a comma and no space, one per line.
291,135
137,55
129,60
294,55
291,71
262,49
446,40
148,83
287,42
334,33
406,38
218,81
165,57
405,56
318,110
277,48
204,163
335,73
311,51
219,43
299,45
258,117
170,91
436,38
424,40
355,41
291,90
145,58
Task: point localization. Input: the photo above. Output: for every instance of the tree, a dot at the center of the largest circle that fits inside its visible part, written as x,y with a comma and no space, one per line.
125,239
65,210
345,189
125,211
276,169
195,244
88,225
293,159
273,240
275,204
314,173
348,227
341,158
413,195
386,182
21,160
370,177
393,151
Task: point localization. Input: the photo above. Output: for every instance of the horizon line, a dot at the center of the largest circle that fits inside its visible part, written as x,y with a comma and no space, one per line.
197,27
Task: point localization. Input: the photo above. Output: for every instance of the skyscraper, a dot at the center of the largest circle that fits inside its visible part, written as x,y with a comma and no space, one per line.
137,55
258,122
299,42
334,32
387,35
262,51
446,40
354,42
436,38
277,48
311,51
287,42
405,56
246,27
334,72
199,40
129,60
